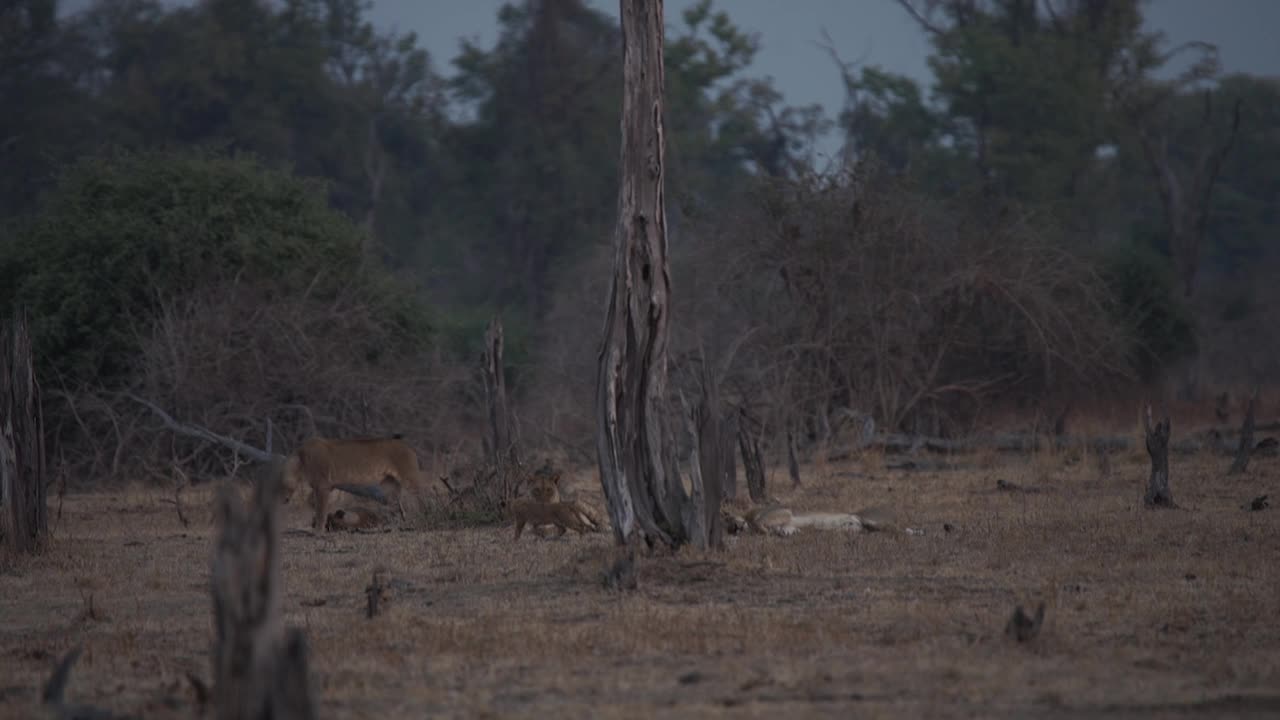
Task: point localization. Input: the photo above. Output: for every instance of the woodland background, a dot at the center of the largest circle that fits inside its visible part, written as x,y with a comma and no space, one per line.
271,215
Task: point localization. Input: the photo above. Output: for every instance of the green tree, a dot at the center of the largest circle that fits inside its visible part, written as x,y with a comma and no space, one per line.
120,234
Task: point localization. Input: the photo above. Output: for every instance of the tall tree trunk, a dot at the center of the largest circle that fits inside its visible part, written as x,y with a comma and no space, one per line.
495,391
638,468
24,517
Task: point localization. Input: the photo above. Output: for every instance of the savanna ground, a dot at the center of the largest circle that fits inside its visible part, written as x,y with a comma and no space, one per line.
1149,612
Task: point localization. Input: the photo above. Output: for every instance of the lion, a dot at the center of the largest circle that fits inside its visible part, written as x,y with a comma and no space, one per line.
360,466
364,506
779,520
544,487
564,515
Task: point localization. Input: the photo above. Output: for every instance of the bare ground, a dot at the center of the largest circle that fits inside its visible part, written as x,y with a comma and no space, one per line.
1150,613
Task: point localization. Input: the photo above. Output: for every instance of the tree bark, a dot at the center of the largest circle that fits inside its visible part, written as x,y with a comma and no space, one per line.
1245,450
495,391
1158,492
638,468
24,516
260,669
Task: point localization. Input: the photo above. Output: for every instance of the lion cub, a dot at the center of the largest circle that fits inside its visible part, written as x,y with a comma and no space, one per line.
367,506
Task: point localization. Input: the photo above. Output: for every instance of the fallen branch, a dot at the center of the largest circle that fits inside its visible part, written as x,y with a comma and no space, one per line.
196,431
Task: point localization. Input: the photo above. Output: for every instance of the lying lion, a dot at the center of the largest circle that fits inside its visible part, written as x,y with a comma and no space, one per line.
564,515
544,488
779,520
353,465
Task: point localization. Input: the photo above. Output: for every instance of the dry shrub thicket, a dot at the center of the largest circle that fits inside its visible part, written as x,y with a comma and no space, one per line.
247,363
853,297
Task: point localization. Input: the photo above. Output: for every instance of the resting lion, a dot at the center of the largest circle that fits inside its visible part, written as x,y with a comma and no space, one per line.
564,515
778,520
544,487
348,464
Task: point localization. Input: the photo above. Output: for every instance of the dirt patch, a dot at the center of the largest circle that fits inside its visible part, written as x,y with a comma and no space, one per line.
1149,613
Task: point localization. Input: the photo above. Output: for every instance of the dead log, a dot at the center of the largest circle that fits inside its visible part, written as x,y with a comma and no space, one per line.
24,514
54,693
259,667
1245,450
752,458
1158,492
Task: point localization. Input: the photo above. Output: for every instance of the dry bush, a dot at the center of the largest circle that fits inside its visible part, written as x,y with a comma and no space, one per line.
233,357
830,299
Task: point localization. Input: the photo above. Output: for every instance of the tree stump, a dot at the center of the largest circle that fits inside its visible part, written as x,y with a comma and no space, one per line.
1245,450
1158,492
259,668
24,515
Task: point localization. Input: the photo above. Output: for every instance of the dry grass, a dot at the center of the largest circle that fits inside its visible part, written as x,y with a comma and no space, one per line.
1149,612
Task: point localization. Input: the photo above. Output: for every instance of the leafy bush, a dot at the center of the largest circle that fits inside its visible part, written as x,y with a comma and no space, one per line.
121,233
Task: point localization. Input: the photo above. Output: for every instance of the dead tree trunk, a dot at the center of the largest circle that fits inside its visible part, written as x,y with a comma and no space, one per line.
1245,450
752,458
638,468
728,438
1158,492
259,668
712,455
24,517
793,461
495,392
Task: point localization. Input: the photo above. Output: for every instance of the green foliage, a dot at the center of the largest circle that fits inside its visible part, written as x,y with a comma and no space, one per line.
119,234
1143,287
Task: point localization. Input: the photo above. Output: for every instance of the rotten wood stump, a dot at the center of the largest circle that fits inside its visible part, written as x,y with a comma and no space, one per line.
1158,492
1245,449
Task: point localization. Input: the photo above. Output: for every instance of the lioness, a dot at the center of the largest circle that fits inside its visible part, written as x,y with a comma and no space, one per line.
778,520
544,487
324,464
564,515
